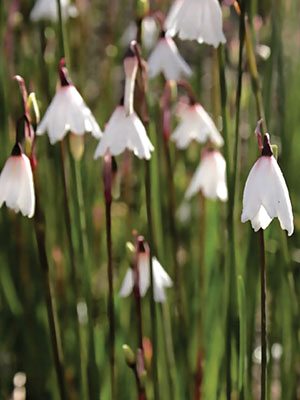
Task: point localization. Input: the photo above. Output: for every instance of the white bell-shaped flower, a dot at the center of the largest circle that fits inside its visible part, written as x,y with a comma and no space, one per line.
199,20
16,183
210,177
195,124
124,129
161,279
47,10
67,113
124,132
266,195
165,59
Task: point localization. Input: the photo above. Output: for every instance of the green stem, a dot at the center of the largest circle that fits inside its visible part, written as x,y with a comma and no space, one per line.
107,177
152,302
231,313
92,368
263,293
62,51
238,106
39,226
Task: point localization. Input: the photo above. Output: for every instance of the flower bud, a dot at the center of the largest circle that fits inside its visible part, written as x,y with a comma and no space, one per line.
76,146
33,108
129,356
142,8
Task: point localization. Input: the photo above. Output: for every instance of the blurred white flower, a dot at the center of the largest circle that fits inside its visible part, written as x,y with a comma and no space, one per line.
199,20
165,58
160,277
16,183
210,177
47,10
124,132
67,113
149,33
266,195
197,125
124,129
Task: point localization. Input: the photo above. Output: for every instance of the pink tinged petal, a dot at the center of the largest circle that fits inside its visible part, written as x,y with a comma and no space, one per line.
127,285
144,273
16,185
166,59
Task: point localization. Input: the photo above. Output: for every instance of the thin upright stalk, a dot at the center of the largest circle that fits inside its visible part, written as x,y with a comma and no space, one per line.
263,293
174,234
92,369
230,277
200,305
238,105
107,178
39,226
62,49
152,302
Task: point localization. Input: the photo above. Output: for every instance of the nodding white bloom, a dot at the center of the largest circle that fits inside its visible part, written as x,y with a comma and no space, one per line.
266,195
210,177
16,183
197,125
199,20
124,132
67,112
124,129
165,58
149,33
161,279
47,10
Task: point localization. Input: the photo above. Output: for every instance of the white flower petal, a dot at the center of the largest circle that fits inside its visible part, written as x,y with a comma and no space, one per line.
161,281
68,112
127,285
197,125
265,186
196,20
124,132
165,58
262,220
210,177
16,185
47,10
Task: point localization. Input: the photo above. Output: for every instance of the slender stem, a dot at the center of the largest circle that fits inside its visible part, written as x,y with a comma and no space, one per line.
174,235
107,177
39,226
61,31
201,298
238,106
263,290
152,302
92,370
140,389
230,266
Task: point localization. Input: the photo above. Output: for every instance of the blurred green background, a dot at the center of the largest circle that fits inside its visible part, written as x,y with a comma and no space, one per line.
96,43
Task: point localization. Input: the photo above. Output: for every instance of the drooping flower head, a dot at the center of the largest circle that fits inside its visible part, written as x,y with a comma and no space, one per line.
165,59
124,129
160,277
195,124
67,112
16,183
266,194
199,20
47,10
210,176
